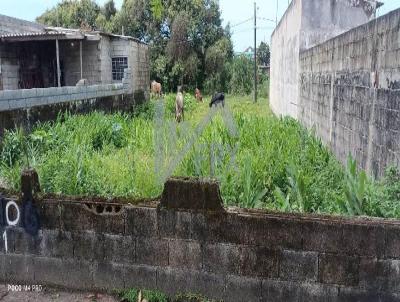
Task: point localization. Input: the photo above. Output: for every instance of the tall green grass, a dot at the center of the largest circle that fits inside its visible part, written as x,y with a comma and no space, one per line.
277,164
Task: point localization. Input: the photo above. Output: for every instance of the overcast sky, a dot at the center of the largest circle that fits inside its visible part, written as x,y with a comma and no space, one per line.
233,11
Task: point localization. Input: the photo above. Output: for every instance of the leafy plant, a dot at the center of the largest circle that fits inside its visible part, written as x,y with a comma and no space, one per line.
296,198
276,164
355,189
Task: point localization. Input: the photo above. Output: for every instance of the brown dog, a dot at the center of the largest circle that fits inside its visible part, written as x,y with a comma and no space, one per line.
198,95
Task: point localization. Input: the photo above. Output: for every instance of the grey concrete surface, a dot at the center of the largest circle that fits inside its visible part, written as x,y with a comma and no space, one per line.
305,24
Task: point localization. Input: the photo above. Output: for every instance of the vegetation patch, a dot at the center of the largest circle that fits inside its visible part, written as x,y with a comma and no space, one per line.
135,295
270,163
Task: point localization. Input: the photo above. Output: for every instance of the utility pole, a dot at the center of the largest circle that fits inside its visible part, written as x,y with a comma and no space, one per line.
255,52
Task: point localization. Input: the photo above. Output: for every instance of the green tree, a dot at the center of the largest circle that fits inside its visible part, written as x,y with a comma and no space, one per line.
109,9
263,54
72,14
187,41
242,75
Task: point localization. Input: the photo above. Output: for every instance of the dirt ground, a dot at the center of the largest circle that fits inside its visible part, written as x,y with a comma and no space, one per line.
51,295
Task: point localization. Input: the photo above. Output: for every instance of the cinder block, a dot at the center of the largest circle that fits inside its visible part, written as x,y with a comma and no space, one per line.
194,194
152,251
88,245
141,222
47,271
221,258
185,254
49,214
322,237
297,265
240,260
363,240
63,272
74,217
119,249
110,223
23,242
18,268
140,276
294,292
336,269
355,294
4,105
370,276
242,289
174,281
174,224
108,276
56,243
392,249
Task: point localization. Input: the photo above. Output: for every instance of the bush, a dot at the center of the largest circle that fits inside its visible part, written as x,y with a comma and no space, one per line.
241,75
263,86
277,164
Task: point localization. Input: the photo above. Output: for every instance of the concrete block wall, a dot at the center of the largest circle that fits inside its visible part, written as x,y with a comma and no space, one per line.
124,48
350,93
142,75
285,47
9,66
138,62
92,62
306,23
28,98
28,106
233,255
106,63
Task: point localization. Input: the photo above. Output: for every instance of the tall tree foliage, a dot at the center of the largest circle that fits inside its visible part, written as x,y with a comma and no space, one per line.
263,54
73,14
188,44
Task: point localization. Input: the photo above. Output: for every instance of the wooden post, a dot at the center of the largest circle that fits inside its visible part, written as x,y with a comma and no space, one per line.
80,53
58,64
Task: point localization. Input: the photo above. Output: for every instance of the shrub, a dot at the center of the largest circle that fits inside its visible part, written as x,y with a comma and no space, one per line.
242,75
276,164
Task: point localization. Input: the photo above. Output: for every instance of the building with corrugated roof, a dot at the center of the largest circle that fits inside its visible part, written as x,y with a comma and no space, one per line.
36,56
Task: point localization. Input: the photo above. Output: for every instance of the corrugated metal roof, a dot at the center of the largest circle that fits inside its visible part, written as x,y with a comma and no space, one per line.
62,33
31,34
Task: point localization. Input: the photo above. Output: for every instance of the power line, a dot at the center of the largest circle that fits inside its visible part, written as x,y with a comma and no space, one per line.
251,29
265,19
240,23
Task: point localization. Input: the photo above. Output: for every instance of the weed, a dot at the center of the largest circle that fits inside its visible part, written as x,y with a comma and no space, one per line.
276,164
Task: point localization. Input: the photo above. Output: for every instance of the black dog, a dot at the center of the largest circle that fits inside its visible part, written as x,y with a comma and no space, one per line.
218,98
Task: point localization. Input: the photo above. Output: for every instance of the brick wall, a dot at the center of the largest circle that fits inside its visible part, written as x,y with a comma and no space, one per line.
350,93
234,255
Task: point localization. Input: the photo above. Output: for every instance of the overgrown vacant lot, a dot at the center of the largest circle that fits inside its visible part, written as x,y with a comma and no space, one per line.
271,163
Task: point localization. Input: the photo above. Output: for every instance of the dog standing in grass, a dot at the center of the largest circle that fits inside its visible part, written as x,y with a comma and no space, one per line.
197,94
179,116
